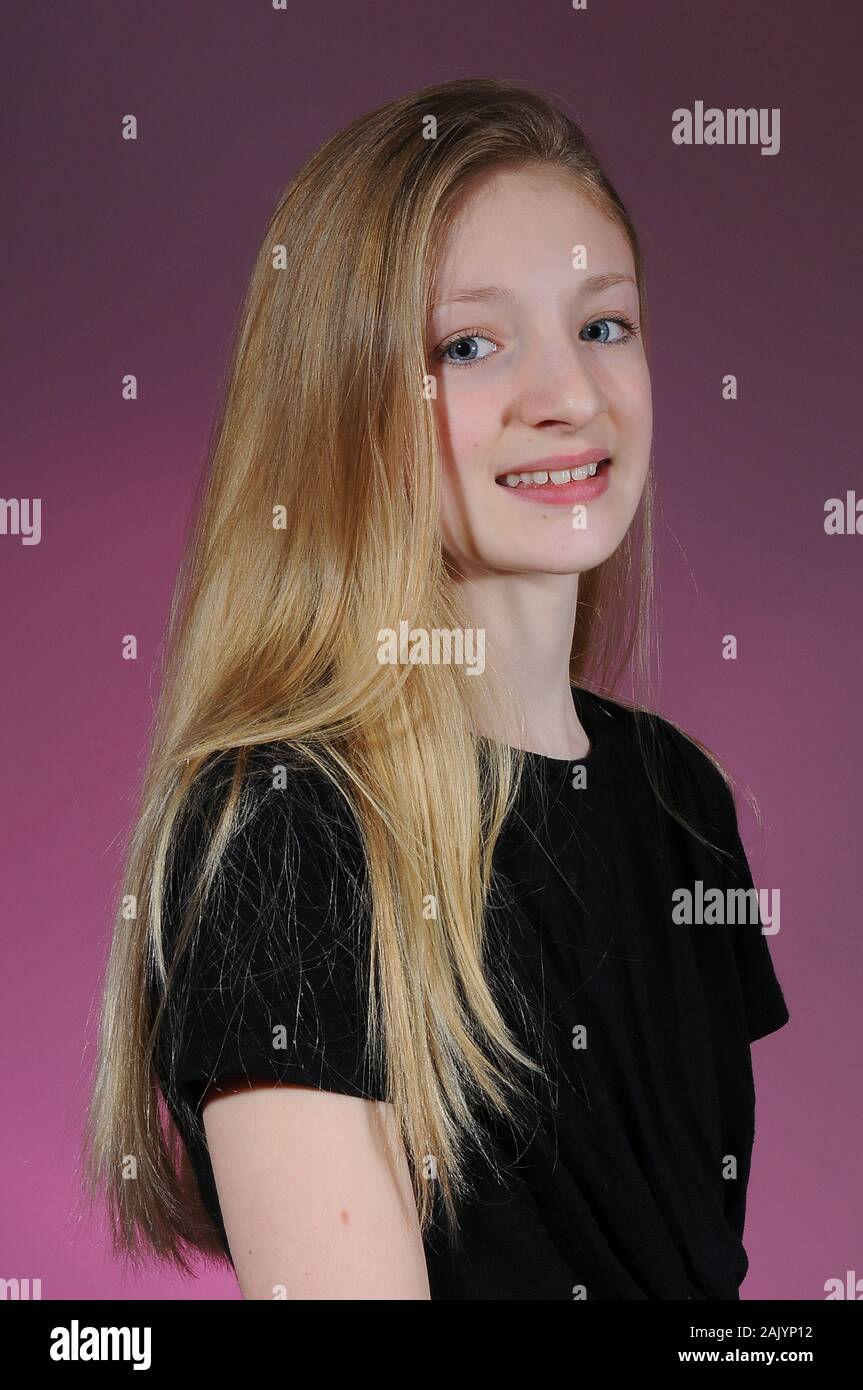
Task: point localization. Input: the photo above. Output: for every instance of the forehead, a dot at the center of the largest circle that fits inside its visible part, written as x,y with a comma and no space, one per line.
517,221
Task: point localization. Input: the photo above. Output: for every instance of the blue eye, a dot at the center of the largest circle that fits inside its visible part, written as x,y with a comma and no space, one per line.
463,350
624,323
464,347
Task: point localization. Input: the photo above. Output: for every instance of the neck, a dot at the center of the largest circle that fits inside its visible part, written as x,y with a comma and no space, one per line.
524,698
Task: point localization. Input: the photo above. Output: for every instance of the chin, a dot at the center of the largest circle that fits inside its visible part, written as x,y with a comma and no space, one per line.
556,549
562,559
539,544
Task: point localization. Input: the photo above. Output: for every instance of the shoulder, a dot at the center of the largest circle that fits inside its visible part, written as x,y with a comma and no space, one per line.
679,760
273,979
689,770
266,858
280,798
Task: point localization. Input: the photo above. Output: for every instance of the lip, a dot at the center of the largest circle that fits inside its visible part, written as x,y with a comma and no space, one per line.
560,494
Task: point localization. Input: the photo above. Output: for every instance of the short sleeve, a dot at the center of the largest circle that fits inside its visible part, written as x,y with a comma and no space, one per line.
275,981
766,1010
710,802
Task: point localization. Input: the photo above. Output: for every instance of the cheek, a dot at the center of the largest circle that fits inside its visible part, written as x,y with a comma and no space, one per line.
466,423
634,399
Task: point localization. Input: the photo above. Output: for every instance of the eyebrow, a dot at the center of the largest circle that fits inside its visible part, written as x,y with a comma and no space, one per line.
594,284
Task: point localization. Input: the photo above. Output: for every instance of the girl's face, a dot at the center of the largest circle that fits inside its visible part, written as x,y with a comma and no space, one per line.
537,363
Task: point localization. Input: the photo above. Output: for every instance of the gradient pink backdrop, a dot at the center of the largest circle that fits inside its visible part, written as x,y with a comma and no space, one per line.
132,257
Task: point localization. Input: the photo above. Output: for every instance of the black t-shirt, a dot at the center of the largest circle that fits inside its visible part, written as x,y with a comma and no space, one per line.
629,1181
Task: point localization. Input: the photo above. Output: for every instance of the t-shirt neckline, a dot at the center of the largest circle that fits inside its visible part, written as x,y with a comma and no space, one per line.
585,708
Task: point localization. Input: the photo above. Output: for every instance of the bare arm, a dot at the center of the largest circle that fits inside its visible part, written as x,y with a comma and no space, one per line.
315,1193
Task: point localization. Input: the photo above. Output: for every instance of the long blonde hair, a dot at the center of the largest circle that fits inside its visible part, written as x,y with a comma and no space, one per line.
317,527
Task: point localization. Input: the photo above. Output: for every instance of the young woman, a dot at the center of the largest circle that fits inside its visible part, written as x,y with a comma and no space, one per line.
401,947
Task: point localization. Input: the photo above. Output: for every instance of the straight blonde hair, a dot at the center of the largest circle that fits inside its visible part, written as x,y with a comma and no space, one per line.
271,638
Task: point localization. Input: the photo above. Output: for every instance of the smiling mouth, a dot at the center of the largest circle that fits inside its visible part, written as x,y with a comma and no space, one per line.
542,478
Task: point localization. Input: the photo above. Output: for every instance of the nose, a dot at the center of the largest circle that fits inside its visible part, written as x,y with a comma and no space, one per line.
556,385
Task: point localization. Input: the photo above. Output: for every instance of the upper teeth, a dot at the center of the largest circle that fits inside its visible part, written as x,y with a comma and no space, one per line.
566,475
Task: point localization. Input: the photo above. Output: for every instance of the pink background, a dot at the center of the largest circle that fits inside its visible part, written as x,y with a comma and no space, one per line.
132,257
